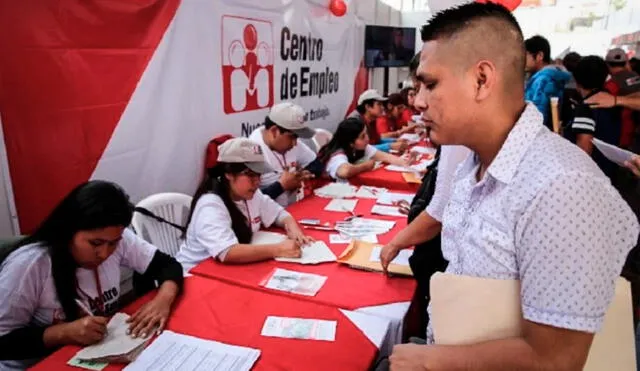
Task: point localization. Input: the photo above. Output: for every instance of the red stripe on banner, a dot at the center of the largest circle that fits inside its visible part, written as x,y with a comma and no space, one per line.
360,84
67,73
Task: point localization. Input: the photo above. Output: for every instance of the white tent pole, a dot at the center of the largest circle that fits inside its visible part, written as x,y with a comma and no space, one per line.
6,176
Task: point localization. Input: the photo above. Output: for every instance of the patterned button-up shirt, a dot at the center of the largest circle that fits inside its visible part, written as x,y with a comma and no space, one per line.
544,214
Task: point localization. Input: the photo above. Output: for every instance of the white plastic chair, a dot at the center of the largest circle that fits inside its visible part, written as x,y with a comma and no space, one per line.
173,207
321,138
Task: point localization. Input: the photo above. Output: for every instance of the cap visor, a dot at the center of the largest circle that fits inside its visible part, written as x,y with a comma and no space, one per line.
259,167
305,133
382,99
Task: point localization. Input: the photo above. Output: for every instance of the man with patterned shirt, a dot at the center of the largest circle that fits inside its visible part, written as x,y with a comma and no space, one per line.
518,206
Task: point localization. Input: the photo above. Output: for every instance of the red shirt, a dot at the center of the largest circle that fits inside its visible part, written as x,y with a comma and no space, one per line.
385,124
628,124
406,117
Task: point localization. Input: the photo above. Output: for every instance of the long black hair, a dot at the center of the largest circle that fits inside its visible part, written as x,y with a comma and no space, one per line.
91,205
345,136
217,183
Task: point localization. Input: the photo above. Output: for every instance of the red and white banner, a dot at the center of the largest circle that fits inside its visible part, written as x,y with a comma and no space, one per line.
132,90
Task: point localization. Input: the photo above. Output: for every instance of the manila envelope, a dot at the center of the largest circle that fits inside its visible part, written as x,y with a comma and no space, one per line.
357,255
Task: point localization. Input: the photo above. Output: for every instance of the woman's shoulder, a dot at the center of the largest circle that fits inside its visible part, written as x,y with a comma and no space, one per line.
209,199
26,259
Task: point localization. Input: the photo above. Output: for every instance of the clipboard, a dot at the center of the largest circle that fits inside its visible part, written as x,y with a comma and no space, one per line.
357,254
468,310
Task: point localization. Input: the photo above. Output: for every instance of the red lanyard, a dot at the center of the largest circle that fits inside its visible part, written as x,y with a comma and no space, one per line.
99,287
99,300
284,158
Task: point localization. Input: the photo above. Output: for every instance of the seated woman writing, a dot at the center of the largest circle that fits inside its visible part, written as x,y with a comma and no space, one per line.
70,266
228,208
349,153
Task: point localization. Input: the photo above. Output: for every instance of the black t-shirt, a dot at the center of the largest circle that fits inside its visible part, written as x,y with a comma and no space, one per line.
601,123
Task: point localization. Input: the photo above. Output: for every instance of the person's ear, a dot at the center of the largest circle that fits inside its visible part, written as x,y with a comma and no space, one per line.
486,79
228,176
539,57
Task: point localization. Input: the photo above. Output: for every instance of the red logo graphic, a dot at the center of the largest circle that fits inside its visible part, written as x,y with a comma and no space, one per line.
247,64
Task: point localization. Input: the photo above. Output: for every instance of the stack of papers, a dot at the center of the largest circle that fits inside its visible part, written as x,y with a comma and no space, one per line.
117,346
391,198
357,228
294,282
299,328
315,253
343,206
336,190
423,150
338,239
370,192
177,352
386,210
420,167
401,259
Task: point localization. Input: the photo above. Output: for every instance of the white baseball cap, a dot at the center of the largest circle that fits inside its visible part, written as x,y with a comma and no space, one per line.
290,116
370,94
245,151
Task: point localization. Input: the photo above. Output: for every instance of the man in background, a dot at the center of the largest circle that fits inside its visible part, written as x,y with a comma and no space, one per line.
546,80
623,82
293,162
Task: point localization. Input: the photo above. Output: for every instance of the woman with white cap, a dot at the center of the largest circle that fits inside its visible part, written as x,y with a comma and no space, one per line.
229,207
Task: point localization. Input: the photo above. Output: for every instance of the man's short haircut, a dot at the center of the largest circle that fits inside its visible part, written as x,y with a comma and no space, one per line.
591,72
537,44
413,64
481,31
570,61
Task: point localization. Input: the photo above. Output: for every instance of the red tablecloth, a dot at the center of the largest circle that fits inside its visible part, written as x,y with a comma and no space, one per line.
345,287
214,310
384,178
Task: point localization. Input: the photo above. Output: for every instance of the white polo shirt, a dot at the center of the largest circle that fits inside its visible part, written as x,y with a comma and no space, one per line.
210,234
28,292
300,156
339,158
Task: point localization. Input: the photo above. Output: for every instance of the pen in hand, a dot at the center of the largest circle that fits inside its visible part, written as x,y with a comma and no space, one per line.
84,308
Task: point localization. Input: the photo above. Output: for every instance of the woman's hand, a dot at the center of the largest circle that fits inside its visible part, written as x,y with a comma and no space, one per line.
153,315
84,331
634,165
288,249
296,234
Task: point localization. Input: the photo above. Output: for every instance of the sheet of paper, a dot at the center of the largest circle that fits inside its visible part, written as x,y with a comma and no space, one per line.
294,282
386,210
116,343
176,352
338,239
336,190
343,206
299,328
415,168
401,259
88,365
360,227
370,192
423,150
391,198
267,238
315,253
411,138
613,153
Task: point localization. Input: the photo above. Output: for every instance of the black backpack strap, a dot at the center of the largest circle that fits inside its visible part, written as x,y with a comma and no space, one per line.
151,215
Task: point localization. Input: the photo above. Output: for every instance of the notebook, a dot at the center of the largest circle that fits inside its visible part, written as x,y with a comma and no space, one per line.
117,346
